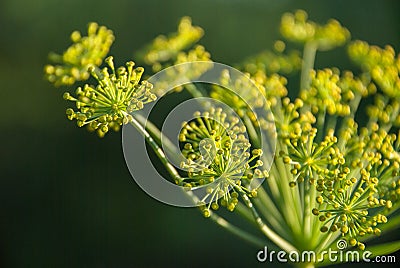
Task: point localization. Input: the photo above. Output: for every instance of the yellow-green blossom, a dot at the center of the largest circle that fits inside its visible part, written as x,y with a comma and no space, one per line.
109,103
296,27
218,151
165,48
381,63
86,51
325,94
272,62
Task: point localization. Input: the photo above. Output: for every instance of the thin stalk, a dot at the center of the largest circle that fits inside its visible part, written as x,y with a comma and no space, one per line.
252,239
270,208
245,212
214,217
288,198
296,196
307,211
254,137
268,232
273,219
320,125
160,154
331,123
194,91
157,135
309,52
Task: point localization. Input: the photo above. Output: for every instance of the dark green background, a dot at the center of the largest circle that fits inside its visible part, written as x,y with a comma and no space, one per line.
66,197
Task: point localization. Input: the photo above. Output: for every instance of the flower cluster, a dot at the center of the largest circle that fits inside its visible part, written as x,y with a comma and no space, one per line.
164,49
351,202
109,104
240,94
325,94
381,63
86,51
276,61
353,171
248,91
296,27
218,157
288,119
179,47
310,159
385,112
179,71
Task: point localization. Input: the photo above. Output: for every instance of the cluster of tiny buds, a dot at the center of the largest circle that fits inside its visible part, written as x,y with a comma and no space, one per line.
289,121
381,63
309,158
346,203
197,56
240,94
273,62
296,27
109,104
325,94
349,225
85,51
165,48
218,157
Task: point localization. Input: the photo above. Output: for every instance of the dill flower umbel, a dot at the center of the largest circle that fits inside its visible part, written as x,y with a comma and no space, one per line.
86,51
166,48
109,104
275,61
296,27
381,63
181,72
217,156
174,50
242,88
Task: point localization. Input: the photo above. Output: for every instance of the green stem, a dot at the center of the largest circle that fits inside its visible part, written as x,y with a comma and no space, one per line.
309,52
240,233
320,125
269,208
288,196
159,137
254,137
307,212
160,154
194,91
268,232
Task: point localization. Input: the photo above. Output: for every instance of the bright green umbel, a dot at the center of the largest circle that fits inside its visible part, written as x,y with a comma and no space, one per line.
217,150
109,103
86,51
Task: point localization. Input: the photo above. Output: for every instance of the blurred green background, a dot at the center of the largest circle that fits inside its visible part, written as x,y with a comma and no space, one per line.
66,196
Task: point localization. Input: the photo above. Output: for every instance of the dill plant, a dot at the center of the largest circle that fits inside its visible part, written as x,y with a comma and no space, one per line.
332,177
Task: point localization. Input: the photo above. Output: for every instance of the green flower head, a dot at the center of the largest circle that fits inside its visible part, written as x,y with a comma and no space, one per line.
296,27
166,48
85,51
217,150
110,103
382,63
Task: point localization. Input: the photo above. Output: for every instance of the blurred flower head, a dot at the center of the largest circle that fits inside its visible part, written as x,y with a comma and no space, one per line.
86,51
